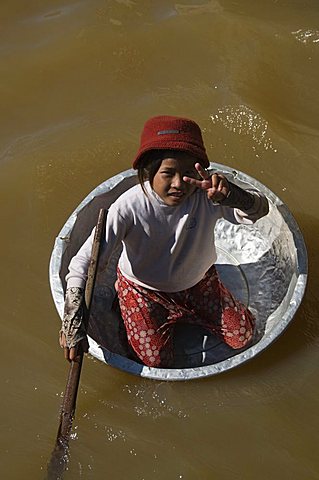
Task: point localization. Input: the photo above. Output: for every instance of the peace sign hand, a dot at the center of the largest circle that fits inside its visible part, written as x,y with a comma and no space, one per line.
216,186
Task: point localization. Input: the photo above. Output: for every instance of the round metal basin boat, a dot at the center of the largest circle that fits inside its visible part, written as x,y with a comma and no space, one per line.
264,265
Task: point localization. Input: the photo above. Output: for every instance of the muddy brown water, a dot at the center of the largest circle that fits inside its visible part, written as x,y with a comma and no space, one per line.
78,80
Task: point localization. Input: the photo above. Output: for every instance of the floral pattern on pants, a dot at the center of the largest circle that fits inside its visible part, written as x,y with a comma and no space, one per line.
149,316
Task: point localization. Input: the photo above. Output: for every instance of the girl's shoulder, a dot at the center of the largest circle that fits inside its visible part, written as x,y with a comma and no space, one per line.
132,199
131,193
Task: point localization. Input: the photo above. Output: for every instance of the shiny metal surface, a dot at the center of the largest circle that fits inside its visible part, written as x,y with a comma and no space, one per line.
264,265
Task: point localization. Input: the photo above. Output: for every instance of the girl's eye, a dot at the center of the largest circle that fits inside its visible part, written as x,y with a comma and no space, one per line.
191,173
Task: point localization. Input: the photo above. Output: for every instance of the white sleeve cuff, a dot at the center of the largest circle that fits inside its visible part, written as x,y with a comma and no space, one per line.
75,282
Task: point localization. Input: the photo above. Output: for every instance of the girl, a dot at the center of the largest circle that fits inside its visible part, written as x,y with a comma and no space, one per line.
166,272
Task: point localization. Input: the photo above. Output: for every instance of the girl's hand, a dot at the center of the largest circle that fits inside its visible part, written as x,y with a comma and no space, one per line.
71,353
216,186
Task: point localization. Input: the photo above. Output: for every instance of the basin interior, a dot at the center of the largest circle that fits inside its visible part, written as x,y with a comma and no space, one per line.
258,263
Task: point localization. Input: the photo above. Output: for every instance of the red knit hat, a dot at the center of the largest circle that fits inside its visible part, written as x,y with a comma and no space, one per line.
172,133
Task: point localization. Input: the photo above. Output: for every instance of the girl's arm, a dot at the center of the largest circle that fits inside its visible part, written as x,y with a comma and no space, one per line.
249,204
115,232
73,334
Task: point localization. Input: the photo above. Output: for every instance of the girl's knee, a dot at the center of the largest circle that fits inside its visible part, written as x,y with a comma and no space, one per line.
154,355
237,327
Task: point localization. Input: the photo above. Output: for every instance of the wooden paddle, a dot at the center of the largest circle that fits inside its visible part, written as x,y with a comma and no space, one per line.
59,456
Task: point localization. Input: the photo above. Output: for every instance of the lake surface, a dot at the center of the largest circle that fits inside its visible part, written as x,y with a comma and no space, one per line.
78,80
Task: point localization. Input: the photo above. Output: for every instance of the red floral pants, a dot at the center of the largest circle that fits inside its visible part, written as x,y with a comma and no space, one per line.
149,316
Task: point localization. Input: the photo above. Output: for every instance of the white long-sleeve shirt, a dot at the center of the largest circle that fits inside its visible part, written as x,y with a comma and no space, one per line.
164,248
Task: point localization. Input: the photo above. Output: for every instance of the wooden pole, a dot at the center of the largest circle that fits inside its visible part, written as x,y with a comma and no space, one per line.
59,456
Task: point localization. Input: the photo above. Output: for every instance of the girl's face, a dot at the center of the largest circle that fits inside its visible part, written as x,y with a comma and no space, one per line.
168,181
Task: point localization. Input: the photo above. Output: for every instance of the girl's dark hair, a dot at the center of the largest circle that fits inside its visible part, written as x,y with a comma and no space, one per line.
149,165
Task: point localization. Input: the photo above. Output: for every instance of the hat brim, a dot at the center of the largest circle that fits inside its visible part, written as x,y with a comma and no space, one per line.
191,149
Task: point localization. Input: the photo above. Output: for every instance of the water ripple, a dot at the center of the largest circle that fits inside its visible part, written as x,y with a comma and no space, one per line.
151,402
306,36
211,7
244,121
